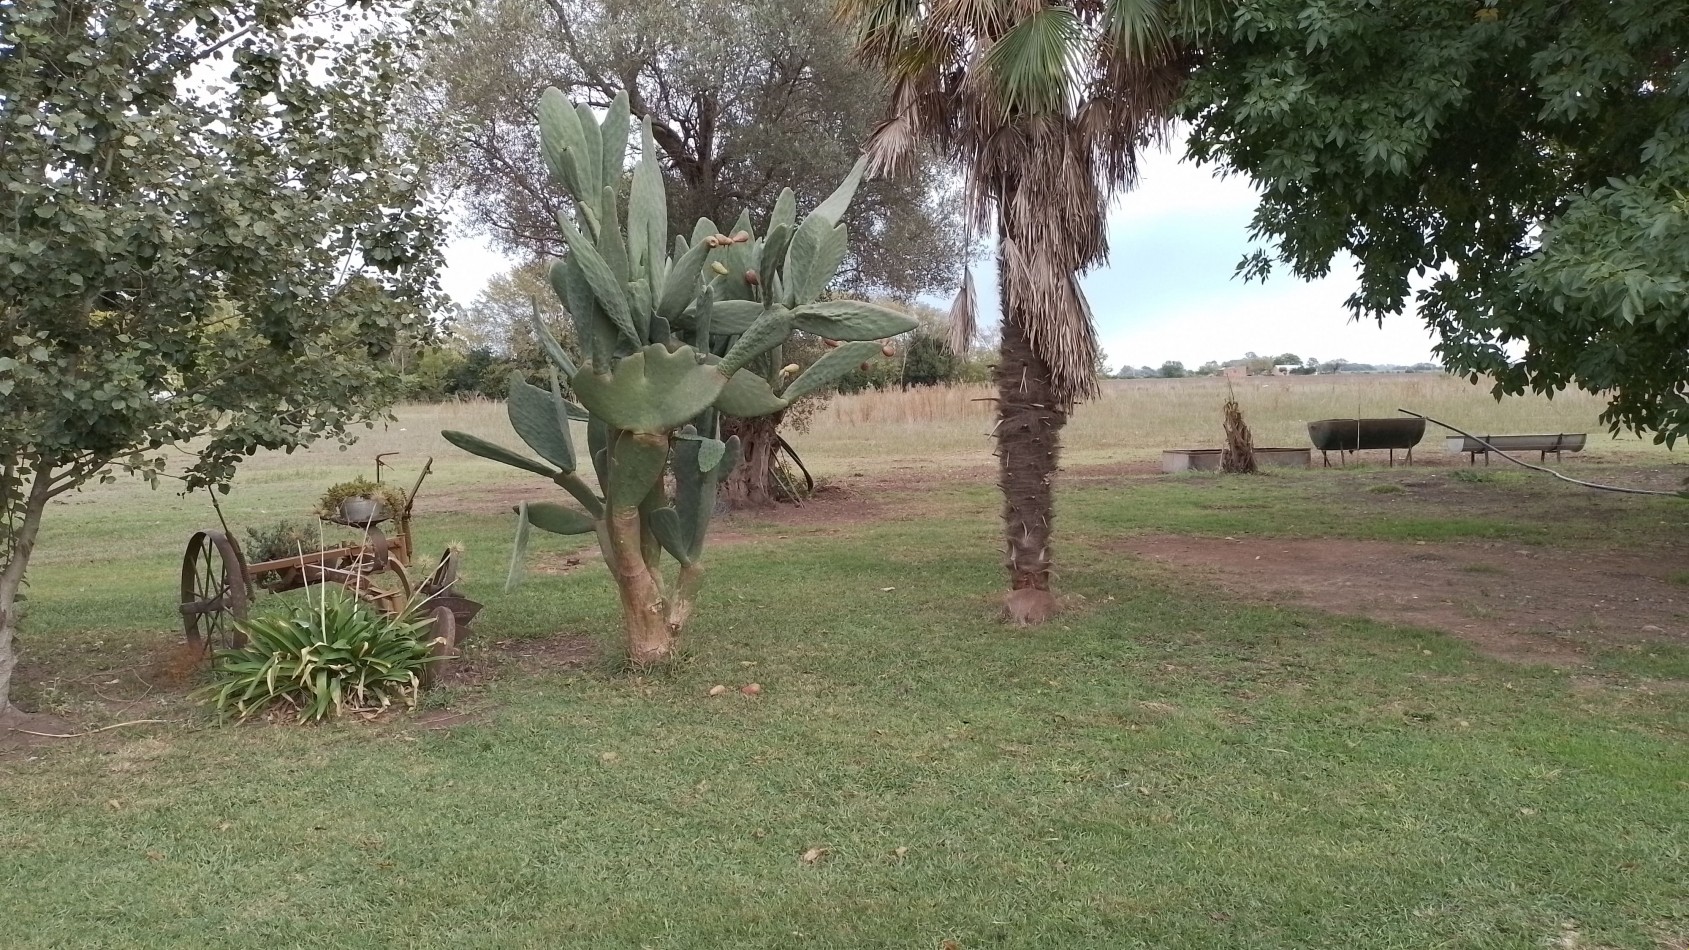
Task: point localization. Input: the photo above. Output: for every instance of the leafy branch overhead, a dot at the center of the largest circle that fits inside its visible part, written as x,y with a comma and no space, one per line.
1518,173
675,332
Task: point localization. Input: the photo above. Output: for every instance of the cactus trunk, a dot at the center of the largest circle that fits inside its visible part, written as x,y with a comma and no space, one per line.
650,639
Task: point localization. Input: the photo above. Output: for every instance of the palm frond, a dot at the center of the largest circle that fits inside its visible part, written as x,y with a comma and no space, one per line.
1033,66
964,315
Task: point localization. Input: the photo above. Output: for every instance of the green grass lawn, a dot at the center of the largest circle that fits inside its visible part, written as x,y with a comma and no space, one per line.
1165,766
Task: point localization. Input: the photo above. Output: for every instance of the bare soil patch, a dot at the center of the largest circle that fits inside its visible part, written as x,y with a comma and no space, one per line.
21,731
1523,605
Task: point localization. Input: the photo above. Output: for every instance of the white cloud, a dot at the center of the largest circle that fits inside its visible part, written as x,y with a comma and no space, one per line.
1305,318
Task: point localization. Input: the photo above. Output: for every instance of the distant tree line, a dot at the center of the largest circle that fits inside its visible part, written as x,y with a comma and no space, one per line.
1267,366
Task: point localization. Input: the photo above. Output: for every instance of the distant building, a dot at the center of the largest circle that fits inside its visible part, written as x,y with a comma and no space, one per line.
1235,372
1283,369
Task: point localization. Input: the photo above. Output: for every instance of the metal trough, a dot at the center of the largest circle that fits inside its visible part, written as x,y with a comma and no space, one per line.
1208,460
1541,444
1355,435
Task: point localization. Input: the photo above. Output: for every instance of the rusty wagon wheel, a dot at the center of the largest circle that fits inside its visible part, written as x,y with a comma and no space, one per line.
215,591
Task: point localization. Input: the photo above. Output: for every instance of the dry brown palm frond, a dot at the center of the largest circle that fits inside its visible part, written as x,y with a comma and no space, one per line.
964,315
1238,456
1047,107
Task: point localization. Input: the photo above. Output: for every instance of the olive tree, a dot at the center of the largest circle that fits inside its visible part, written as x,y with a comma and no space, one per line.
206,234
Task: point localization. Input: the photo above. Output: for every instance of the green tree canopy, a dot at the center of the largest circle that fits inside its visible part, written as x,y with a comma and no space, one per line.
205,234
1520,171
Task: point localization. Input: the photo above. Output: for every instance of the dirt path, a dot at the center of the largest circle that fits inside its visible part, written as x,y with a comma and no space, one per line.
1540,605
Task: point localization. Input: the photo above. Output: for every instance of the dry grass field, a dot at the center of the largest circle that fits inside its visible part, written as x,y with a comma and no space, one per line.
1133,421
1136,419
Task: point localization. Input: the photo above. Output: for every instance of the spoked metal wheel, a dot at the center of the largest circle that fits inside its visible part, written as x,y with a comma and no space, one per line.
215,591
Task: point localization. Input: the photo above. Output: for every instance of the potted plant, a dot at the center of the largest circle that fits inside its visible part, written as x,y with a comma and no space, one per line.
360,501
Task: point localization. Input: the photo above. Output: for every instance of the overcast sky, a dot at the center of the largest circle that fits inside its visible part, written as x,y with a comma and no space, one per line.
1168,292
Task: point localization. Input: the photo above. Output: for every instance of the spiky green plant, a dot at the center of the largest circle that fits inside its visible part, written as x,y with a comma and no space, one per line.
323,658
674,334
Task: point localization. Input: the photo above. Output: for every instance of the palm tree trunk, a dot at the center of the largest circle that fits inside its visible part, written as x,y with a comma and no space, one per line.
1029,423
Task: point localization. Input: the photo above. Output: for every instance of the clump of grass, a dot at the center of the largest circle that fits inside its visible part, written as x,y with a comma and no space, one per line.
1386,489
1469,476
1481,569
1680,578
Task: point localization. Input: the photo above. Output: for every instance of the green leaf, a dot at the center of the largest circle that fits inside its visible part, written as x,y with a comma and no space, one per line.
648,212
710,454
785,212
766,333
541,420
747,396
851,320
591,162
518,549
733,317
607,290
773,257
681,286
561,140
637,460
557,519
596,332
652,391
1031,64
553,350
833,366
614,133
666,525
475,445
837,203
818,248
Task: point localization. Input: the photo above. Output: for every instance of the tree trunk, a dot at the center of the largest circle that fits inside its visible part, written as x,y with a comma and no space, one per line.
751,483
12,577
649,638
1029,423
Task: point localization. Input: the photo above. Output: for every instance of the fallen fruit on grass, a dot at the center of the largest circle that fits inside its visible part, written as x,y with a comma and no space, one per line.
889,350
717,689
750,689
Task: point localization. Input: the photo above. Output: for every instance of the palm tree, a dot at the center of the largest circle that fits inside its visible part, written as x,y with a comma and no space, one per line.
1045,106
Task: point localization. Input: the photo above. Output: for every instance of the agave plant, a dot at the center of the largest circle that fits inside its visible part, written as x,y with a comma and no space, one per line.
323,658
675,333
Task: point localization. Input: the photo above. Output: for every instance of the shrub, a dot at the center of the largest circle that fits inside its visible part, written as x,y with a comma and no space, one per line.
288,537
393,497
323,658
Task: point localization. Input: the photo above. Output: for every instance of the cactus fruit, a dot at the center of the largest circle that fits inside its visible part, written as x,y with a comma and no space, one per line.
676,332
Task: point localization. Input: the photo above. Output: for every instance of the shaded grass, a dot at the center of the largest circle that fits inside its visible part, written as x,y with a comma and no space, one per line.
1166,766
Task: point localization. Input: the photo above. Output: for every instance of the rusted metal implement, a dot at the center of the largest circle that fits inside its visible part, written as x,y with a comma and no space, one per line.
219,586
1354,435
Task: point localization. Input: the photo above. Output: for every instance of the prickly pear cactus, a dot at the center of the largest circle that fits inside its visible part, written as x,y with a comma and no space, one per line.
675,332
